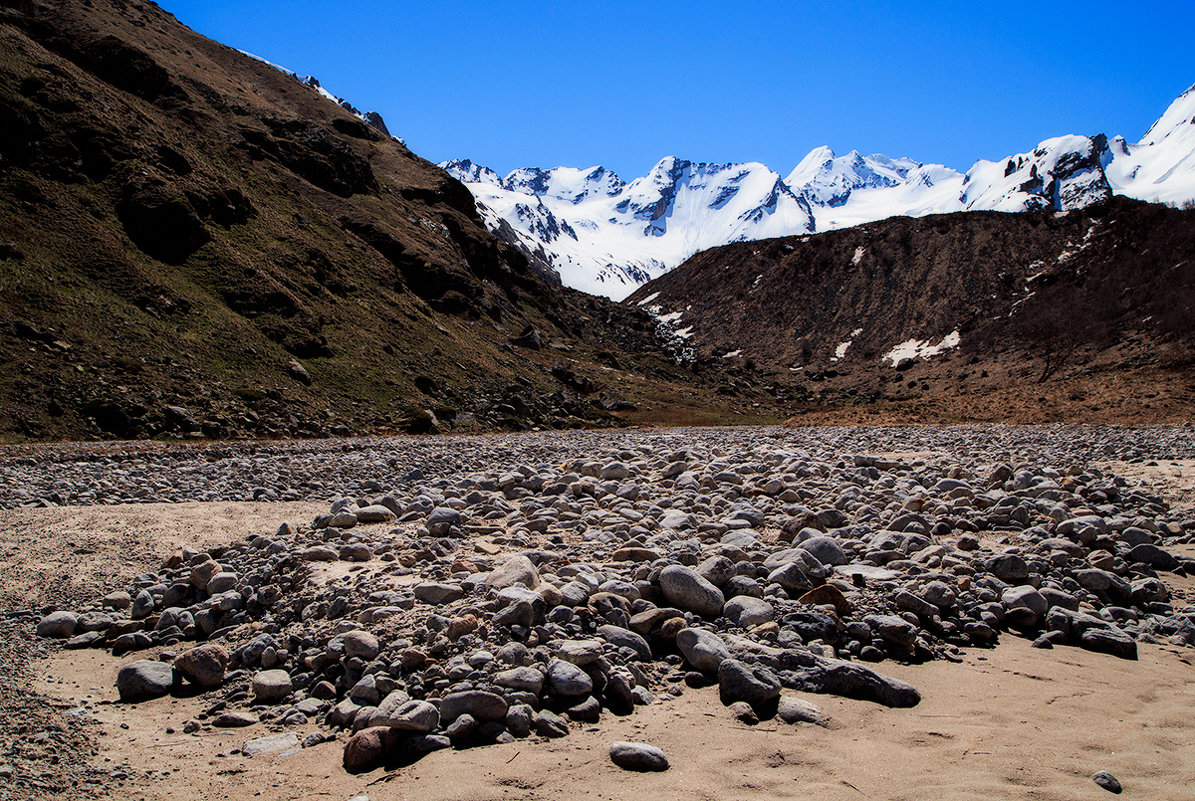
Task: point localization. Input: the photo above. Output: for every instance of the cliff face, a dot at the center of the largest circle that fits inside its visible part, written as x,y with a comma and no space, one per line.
193,242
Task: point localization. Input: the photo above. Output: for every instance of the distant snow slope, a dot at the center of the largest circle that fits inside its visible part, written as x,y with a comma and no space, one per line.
607,236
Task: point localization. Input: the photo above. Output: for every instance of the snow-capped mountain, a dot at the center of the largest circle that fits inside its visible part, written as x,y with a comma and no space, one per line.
607,236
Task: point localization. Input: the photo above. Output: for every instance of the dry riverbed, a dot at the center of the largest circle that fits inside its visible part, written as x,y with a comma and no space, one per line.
1009,721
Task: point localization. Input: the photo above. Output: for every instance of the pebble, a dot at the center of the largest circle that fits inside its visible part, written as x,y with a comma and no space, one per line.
1106,780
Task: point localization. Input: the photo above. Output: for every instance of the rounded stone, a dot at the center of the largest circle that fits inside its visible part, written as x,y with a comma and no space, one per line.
58,625
204,665
566,678
144,679
271,686
361,643
638,756
685,589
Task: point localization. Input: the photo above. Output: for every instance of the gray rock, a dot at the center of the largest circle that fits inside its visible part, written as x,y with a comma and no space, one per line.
417,716
794,710
222,582
271,686
1106,780
58,625
740,682
580,652
361,643
1153,556
549,724
524,679
518,569
270,744
624,638
638,756
1026,600
893,629
717,570
827,550
703,649
747,611
685,589
144,679
482,705
1008,567
566,678
441,520
374,514
234,720
436,593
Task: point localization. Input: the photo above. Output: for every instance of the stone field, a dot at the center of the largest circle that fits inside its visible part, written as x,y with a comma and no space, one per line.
461,592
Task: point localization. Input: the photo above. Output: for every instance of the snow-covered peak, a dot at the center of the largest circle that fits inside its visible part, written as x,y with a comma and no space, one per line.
1065,172
829,180
467,172
1178,120
1161,167
607,236
569,184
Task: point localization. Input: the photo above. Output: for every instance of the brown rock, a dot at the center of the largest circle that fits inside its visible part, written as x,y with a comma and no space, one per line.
827,594
634,555
204,665
671,627
462,625
368,748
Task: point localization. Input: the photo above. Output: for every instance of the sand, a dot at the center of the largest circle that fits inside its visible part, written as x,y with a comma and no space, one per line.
1012,722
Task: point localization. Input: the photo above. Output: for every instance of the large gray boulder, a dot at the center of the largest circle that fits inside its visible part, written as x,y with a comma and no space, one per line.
144,679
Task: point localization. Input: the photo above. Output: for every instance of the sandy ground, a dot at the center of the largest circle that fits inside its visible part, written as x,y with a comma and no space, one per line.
1012,722
71,551
1174,481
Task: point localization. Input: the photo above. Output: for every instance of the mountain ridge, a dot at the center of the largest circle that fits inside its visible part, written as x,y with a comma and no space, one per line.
605,235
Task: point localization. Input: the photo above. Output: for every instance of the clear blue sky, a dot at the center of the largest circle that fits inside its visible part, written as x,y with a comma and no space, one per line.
623,83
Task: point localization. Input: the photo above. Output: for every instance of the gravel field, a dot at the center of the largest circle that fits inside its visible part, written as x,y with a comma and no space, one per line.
150,472
433,594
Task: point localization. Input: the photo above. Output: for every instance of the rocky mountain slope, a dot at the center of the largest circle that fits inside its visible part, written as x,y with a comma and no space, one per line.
607,236
951,305
193,243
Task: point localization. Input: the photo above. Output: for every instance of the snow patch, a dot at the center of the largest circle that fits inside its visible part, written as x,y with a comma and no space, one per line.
922,348
858,257
733,354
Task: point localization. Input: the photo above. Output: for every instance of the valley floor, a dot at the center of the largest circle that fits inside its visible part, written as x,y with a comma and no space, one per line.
1005,722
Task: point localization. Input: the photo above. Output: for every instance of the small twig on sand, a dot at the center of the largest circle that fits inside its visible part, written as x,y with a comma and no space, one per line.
512,759
856,789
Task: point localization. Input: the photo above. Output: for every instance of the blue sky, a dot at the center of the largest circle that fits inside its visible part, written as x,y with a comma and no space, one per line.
622,84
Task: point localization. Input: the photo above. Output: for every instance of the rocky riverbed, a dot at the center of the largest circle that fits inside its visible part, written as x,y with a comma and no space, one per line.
457,592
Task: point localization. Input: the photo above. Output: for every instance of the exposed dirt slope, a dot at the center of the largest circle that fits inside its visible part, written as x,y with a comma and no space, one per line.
1054,312
194,243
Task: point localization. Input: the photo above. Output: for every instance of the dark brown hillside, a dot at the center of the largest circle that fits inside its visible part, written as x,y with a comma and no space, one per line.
1090,298
194,243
